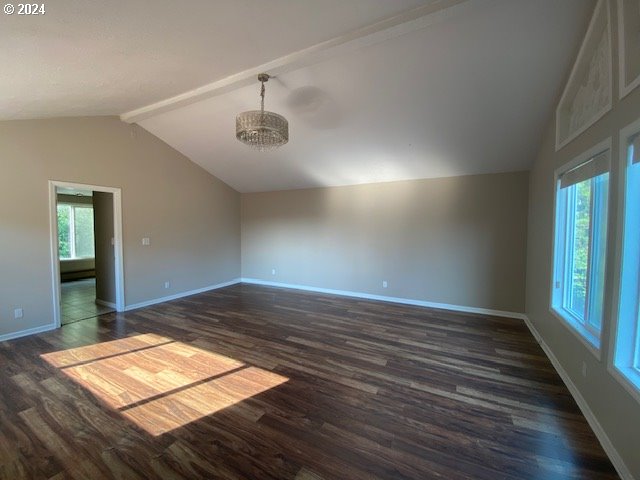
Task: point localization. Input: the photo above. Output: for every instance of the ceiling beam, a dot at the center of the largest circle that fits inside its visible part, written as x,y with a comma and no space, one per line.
392,27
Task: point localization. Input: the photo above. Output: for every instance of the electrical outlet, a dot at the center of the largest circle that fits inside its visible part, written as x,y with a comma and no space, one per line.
18,313
584,369
146,241
167,284
384,284
273,271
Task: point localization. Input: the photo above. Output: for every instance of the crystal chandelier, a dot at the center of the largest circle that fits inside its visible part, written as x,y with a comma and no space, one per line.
259,129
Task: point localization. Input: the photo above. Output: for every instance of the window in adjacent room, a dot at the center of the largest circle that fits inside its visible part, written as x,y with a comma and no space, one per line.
627,349
582,193
75,231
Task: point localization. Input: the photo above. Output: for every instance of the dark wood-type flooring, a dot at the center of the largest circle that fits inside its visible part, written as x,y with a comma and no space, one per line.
78,301
252,382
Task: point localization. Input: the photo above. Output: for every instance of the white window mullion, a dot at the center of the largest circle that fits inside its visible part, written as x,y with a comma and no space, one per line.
636,353
562,240
593,225
568,248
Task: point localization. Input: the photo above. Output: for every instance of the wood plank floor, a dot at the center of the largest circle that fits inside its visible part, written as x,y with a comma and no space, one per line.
252,382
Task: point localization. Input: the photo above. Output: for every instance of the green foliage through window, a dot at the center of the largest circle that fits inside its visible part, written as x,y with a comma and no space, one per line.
580,253
75,231
64,212
580,246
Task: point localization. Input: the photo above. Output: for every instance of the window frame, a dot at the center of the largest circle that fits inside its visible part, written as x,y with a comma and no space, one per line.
568,263
72,221
621,374
636,361
580,329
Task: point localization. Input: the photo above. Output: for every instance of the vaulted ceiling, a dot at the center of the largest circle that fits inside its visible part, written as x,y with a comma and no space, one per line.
374,90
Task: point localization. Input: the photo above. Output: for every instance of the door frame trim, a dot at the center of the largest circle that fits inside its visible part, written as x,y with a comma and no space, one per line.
117,247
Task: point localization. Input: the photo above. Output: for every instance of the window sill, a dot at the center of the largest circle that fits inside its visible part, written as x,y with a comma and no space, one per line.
585,336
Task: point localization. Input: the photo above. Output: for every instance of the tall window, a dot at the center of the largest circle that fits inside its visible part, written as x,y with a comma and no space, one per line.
627,351
75,231
580,246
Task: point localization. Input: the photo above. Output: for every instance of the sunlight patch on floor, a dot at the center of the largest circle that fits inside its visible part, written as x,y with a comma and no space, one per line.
177,409
73,356
161,384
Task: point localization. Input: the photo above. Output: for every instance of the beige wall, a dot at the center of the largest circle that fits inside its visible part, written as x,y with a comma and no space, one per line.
105,252
615,409
455,240
191,217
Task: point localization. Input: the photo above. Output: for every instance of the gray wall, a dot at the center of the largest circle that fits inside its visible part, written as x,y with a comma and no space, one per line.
105,253
458,240
191,217
615,409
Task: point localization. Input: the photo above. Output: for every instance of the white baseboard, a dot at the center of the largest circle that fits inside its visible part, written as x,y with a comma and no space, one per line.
105,303
608,447
383,298
28,331
155,301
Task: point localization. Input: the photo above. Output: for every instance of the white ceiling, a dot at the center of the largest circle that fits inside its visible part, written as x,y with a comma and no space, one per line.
467,93
106,57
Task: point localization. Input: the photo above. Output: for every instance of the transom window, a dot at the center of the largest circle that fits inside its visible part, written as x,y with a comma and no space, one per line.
582,194
75,231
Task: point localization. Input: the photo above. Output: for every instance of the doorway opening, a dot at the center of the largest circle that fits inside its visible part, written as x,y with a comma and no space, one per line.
86,248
